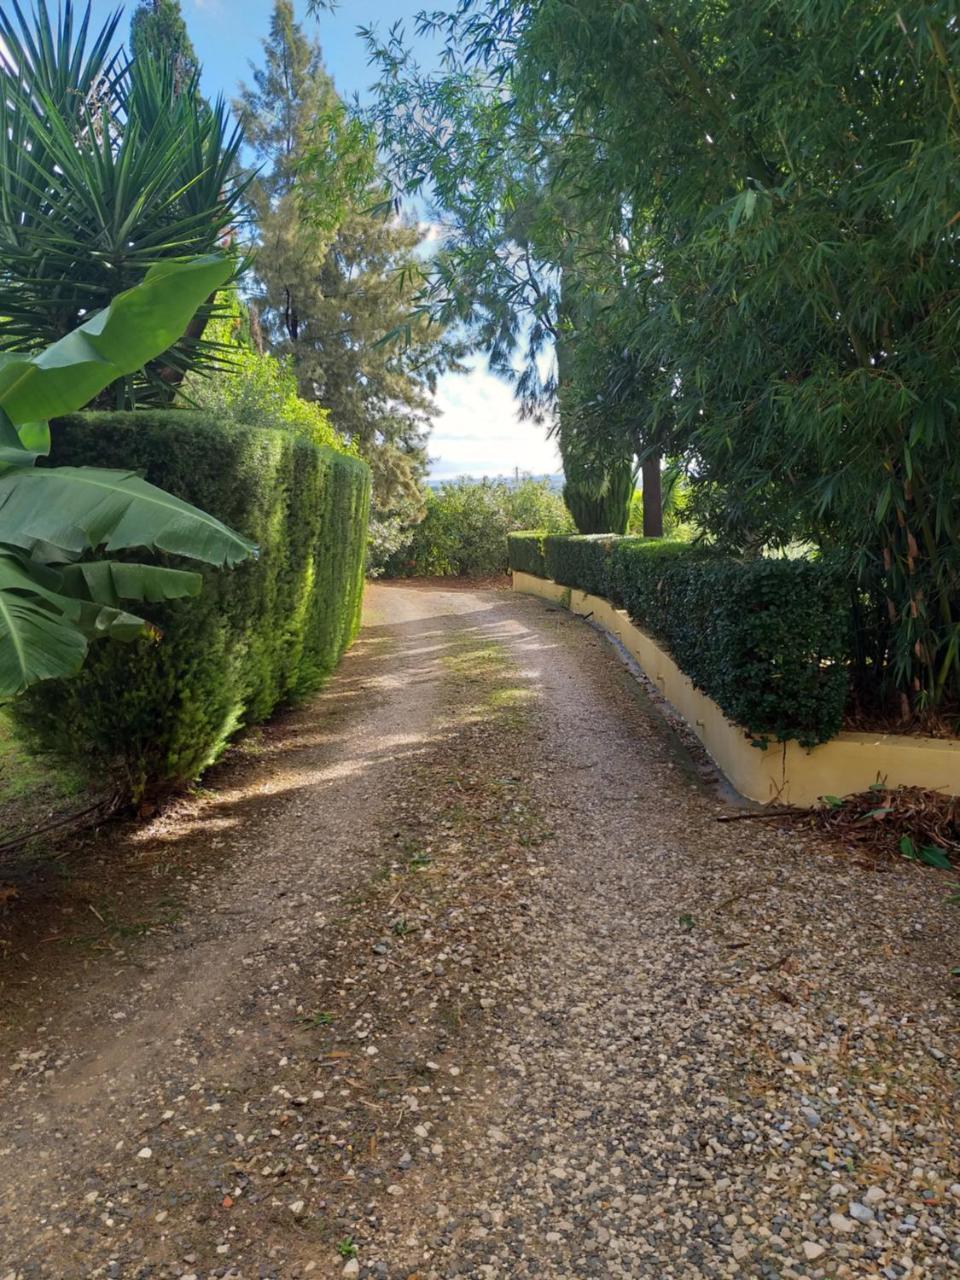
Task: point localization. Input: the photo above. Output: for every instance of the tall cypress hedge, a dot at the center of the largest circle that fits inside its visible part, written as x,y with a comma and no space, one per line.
155,713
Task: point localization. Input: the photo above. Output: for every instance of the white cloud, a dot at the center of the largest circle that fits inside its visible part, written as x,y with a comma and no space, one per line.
432,231
478,431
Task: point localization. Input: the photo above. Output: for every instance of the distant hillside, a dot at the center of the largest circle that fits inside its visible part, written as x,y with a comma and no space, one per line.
555,482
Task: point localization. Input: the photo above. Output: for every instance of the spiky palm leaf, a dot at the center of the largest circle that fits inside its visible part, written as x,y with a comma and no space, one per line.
105,170
110,344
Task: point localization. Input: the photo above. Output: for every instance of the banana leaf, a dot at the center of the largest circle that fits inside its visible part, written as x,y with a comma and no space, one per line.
138,325
110,581
44,633
50,605
84,508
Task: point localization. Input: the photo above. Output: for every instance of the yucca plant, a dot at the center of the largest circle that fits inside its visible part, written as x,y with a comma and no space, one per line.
59,586
107,167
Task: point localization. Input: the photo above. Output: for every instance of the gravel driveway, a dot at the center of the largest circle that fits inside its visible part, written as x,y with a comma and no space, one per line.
466,979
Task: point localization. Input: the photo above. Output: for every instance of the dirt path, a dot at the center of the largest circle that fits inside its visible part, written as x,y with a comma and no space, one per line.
463,977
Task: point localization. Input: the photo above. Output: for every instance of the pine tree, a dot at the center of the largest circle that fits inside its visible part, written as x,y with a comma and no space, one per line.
157,27
326,297
289,93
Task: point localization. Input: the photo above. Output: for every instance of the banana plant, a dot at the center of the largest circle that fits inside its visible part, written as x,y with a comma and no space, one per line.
59,586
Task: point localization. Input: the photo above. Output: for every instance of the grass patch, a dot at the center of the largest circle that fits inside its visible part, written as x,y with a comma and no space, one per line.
489,666
24,777
477,662
510,698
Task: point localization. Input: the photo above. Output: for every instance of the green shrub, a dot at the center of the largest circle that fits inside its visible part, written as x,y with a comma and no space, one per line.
769,640
156,714
465,528
392,521
629,558
583,561
525,552
598,497
255,388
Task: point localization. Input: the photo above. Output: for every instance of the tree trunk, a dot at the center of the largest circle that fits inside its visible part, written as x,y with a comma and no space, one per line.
652,498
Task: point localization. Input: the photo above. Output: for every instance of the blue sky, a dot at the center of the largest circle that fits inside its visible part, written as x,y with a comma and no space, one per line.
477,431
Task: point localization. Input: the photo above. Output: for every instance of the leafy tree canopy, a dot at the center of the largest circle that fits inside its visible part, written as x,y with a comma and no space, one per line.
524,265
778,183
258,389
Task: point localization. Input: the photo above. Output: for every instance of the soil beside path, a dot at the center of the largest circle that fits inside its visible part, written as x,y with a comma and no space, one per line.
464,978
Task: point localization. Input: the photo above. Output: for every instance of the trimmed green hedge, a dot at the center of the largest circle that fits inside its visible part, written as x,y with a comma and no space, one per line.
156,714
769,640
525,553
582,561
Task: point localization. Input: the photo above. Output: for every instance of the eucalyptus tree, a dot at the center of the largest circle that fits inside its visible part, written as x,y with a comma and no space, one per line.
519,258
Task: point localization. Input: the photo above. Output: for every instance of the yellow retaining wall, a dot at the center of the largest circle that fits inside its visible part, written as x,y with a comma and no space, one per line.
783,772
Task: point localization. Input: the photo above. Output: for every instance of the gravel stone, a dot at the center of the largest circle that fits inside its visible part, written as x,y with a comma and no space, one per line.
611,1036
